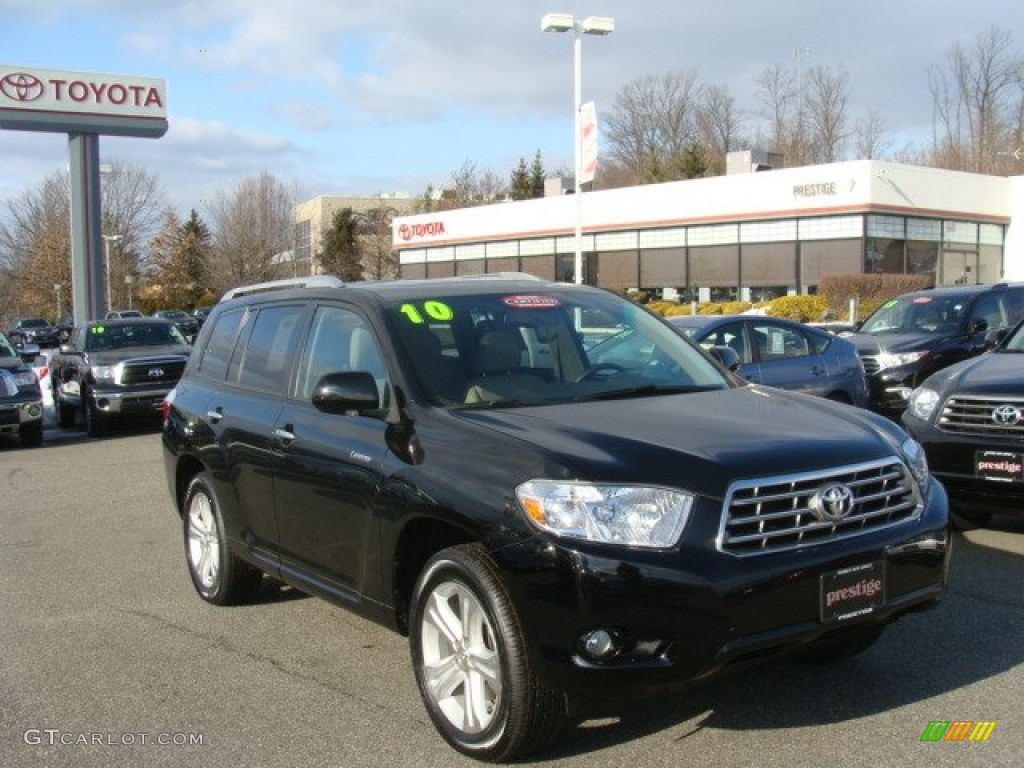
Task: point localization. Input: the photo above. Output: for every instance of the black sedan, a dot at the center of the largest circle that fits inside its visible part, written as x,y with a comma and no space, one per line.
34,330
970,419
785,354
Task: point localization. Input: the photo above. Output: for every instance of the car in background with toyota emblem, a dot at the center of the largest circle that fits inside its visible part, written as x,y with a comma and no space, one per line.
113,368
970,419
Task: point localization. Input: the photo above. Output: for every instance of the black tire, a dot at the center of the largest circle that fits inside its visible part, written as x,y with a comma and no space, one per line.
93,416
65,412
513,713
31,435
218,575
842,646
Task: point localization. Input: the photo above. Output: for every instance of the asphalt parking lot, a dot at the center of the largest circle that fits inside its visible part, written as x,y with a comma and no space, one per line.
109,658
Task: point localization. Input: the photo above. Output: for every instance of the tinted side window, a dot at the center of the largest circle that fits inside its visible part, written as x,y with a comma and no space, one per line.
338,341
266,361
219,345
1015,304
989,308
775,343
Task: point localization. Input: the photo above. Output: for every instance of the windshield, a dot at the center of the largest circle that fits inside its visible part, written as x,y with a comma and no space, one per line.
6,349
102,337
918,314
508,349
1015,342
33,322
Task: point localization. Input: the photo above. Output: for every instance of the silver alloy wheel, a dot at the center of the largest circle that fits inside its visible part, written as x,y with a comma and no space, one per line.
203,541
461,659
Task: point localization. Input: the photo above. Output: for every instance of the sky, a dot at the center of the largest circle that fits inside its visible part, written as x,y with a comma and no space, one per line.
339,97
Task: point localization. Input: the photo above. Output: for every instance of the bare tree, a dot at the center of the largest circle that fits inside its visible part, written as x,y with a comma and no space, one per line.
131,209
824,108
719,124
254,224
653,125
869,135
979,103
380,261
778,94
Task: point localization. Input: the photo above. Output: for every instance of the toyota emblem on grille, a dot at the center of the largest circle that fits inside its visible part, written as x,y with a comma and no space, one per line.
155,373
831,503
1006,415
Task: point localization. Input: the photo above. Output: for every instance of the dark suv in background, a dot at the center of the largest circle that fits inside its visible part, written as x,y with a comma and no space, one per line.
910,337
446,457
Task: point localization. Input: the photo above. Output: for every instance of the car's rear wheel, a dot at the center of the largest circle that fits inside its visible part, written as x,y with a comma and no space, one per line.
472,663
217,574
93,416
65,412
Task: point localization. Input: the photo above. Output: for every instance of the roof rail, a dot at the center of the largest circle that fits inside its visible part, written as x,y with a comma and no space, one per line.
313,281
502,276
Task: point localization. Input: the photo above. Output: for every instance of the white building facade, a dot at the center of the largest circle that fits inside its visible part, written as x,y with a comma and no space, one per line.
750,236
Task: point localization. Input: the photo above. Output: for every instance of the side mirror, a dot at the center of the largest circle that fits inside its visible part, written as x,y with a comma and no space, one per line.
977,325
727,356
346,392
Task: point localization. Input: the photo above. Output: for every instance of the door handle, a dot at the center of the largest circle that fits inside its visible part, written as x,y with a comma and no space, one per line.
215,415
284,434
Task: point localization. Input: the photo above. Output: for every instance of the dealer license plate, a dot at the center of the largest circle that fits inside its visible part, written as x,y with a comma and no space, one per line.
851,592
1001,466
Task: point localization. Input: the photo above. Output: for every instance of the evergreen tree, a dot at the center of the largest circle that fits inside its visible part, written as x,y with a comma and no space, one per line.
341,254
520,188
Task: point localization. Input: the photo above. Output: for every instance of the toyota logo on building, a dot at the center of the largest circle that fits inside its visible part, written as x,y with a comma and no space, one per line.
155,373
1006,415
18,86
831,503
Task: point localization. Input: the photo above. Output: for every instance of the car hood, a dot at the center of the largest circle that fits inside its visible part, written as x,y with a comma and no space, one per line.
873,344
991,373
115,356
700,441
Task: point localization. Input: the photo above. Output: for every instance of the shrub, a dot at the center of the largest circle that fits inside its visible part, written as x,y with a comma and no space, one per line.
801,308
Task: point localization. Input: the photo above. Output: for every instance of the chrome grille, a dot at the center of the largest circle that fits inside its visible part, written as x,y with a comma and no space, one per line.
775,514
151,370
870,364
975,415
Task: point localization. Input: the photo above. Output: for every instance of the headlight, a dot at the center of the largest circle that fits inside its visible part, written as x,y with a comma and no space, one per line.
896,359
923,403
635,516
913,454
103,372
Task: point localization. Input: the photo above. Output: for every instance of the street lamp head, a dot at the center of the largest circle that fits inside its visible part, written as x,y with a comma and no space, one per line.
111,238
556,22
598,25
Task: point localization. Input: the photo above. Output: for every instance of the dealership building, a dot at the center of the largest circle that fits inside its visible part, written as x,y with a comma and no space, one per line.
746,235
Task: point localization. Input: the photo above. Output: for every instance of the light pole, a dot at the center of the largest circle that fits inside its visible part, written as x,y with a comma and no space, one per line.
591,25
107,240
56,289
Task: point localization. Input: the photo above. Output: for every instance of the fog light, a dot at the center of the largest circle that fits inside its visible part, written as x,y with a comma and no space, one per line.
601,644
34,410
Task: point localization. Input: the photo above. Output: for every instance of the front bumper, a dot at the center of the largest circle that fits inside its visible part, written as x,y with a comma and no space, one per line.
889,390
126,401
17,412
682,616
952,459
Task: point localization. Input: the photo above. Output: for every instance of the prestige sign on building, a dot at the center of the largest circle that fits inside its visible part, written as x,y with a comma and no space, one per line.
88,102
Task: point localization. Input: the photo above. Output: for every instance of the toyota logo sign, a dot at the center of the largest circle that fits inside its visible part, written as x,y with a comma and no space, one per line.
19,86
155,373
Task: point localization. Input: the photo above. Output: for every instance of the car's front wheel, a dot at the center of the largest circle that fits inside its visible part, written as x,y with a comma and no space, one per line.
472,662
31,435
65,412
218,575
93,416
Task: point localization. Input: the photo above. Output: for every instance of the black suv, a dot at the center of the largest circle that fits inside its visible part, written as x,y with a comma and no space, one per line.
34,330
113,368
443,457
910,337
970,419
21,400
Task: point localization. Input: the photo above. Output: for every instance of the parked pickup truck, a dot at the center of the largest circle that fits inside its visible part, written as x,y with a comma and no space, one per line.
114,367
